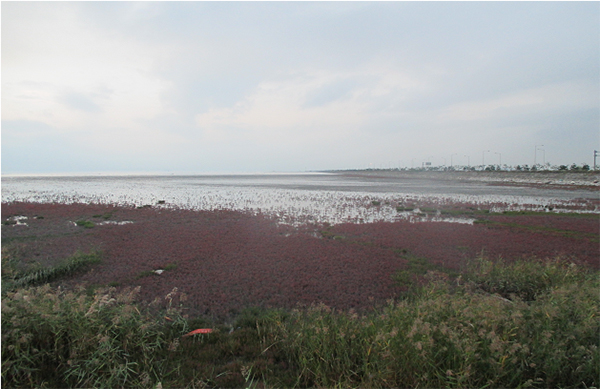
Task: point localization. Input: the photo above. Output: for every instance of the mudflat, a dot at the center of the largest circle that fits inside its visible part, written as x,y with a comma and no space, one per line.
589,180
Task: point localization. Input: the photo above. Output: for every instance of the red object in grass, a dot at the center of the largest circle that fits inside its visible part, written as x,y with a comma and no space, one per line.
199,331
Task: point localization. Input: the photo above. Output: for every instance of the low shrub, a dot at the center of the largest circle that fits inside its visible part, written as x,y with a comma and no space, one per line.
525,279
146,273
85,223
105,216
418,270
170,266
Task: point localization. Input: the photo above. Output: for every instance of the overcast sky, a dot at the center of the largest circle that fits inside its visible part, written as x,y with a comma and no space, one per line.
196,87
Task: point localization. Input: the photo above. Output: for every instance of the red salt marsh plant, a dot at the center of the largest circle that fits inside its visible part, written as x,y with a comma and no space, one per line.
581,225
226,260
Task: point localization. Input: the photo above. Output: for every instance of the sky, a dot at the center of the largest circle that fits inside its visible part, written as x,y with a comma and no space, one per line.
234,87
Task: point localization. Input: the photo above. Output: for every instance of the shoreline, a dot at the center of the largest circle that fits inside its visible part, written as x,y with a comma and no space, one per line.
549,179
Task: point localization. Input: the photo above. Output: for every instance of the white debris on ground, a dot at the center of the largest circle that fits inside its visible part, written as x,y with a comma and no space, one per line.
104,223
16,221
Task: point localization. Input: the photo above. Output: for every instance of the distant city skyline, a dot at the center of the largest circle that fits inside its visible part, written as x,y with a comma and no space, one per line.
229,87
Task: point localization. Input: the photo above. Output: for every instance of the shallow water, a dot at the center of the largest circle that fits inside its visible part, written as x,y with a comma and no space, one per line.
295,198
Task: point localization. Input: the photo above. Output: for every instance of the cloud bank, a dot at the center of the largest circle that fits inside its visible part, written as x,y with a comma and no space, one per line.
193,87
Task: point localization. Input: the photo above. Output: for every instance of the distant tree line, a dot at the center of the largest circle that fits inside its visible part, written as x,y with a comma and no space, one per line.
584,167
574,167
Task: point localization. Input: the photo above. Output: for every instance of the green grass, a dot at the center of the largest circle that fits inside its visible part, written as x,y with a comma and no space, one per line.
525,280
416,270
464,212
146,273
501,324
545,213
66,339
328,234
15,276
170,266
85,223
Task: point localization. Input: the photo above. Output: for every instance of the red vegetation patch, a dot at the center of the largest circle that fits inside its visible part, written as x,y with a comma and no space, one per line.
225,261
586,224
449,244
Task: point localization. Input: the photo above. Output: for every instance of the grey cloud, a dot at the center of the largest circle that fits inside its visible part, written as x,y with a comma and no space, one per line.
195,94
81,102
330,92
215,55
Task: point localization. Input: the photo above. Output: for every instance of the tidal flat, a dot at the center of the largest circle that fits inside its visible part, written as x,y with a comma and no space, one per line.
380,288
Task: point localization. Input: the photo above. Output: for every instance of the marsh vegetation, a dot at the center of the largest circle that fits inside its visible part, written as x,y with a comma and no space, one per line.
417,298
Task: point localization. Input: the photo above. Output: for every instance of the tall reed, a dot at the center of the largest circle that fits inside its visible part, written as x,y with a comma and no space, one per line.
57,338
